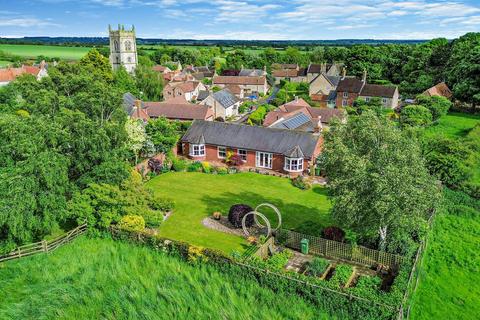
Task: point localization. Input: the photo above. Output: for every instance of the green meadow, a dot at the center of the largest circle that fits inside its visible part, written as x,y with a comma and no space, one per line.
33,51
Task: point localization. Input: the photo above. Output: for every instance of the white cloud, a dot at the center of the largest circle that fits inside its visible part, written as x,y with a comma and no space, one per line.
25,22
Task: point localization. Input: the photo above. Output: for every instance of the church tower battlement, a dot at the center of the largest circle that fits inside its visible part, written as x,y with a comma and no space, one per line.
123,48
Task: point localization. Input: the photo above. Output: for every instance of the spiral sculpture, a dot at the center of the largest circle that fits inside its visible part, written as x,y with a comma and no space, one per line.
256,214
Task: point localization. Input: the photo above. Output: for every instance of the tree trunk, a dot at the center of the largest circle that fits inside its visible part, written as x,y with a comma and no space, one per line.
383,238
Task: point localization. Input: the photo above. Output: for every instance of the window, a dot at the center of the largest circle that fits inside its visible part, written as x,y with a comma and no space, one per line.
367,99
345,94
293,164
128,45
384,100
344,103
129,59
222,152
264,160
243,154
115,45
197,150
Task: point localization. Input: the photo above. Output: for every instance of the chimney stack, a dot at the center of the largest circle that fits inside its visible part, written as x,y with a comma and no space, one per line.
344,73
296,98
264,68
323,67
364,78
138,105
318,125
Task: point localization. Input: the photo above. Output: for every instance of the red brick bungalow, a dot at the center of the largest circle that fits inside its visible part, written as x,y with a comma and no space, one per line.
278,150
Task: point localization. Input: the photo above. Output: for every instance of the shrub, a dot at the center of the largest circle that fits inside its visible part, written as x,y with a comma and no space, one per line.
221,170
334,233
155,165
301,183
236,214
317,266
219,119
414,115
195,167
437,105
206,167
234,160
179,165
162,203
132,223
153,218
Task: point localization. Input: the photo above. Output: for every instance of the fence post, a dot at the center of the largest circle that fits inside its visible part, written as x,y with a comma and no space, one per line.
44,245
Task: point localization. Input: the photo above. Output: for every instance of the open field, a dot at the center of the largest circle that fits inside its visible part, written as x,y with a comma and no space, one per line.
104,279
32,51
449,286
454,125
198,195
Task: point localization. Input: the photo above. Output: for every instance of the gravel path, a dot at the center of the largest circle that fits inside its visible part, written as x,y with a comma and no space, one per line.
221,225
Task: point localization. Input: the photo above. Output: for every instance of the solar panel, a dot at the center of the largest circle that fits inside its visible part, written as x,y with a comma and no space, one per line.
296,121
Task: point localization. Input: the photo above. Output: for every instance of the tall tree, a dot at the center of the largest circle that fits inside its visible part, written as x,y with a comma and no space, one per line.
378,181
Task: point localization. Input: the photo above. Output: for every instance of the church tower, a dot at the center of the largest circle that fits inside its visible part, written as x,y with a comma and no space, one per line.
123,48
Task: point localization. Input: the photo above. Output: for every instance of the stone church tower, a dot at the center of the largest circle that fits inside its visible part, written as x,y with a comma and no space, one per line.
123,48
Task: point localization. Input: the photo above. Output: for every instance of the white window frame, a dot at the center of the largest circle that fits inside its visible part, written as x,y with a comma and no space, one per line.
293,164
197,150
243,156
224,150
266,163
345,94
384,100
367,99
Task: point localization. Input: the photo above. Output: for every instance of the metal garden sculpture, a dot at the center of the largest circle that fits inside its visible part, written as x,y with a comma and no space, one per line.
256,214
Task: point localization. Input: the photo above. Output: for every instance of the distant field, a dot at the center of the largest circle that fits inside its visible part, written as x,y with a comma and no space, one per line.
4,63
32,51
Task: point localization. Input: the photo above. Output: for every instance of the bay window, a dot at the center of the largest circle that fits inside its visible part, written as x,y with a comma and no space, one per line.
197,150
293,164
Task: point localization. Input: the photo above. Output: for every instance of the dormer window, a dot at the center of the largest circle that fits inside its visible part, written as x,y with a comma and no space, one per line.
197,150
293,164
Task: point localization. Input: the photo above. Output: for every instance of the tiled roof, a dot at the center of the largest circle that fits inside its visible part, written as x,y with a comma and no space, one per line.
251,73
240,136
233,88
353,85
376,90
159,68
286,73
9,74
440,89
239,80
174,109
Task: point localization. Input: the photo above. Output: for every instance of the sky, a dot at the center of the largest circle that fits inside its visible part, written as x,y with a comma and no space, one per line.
243,19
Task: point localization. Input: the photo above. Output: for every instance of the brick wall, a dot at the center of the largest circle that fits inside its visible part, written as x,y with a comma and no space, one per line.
351,98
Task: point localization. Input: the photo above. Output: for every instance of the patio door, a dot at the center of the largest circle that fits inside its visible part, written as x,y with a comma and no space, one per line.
264,160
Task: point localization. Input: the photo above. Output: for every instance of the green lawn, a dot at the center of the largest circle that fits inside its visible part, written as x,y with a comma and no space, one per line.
32,51
449,287
4,63
453,125
198,195
104,279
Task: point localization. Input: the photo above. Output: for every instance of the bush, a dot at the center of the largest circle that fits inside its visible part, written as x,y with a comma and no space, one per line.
206,167
155,165
132,223
334,233
236,214
221,170
234,160
437,105
195,167
317,266
301,183
414,115
153,219
179,165
162,204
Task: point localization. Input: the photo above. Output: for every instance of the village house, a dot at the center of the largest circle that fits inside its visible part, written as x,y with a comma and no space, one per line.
189,90
248,84
322,89
441,89
289,72
174,109
7,75
161,69
314,70
223,103
349,89
299,115
278,150
236,90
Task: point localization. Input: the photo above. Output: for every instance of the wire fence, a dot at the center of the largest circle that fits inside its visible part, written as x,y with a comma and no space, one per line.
44,245
339,250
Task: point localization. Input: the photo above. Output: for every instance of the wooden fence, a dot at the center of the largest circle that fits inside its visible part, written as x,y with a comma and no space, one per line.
339,250
44,245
